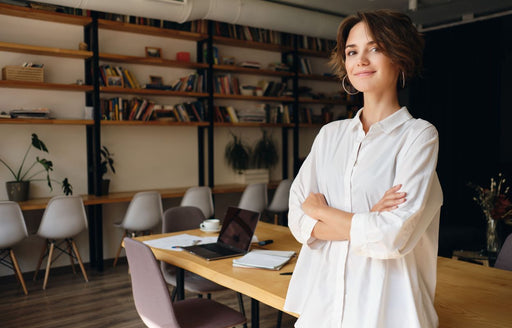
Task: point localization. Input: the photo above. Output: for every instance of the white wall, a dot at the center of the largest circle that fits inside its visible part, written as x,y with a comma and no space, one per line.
146,157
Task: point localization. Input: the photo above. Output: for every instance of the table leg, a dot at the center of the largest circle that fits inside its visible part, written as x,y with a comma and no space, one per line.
180,284
255,313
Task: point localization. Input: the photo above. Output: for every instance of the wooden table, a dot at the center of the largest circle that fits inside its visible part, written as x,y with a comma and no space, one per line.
467,296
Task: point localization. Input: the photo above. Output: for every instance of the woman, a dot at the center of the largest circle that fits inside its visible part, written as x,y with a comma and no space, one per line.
369,254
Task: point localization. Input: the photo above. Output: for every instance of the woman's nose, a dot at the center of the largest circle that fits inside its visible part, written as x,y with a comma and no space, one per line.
362,60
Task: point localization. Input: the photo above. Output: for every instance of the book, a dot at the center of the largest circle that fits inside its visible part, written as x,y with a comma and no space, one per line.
264,259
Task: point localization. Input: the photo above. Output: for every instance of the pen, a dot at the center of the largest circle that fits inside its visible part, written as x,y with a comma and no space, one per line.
286,273
265,242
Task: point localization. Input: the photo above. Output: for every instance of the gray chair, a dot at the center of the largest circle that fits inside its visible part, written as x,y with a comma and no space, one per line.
153,302
504,259
178,219
200,197
279,204
12,231
63,219
254,197
143,213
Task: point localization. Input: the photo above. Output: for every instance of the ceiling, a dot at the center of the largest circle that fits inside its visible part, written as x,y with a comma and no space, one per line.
428,13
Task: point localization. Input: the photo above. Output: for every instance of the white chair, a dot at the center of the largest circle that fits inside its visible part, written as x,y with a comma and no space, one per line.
279,203
12,231
254,197
200,197
63,218
143,213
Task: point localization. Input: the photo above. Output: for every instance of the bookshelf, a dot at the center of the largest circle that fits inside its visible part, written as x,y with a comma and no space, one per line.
184,149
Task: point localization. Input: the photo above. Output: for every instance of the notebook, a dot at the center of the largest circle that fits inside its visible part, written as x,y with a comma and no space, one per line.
234,238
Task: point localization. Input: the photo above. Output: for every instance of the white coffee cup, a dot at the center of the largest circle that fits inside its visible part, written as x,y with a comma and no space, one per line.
210,225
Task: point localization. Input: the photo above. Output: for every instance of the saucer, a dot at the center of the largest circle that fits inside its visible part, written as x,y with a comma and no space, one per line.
214,230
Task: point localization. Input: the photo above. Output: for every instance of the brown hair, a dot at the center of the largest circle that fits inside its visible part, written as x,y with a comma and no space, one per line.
395,35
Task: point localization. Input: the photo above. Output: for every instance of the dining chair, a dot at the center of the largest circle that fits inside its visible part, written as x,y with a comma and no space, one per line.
504,259
279,204
154,304
254,197
143,213
12,231
63,219
182,218
200,197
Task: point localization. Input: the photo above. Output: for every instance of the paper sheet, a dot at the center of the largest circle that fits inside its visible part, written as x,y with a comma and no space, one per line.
174,243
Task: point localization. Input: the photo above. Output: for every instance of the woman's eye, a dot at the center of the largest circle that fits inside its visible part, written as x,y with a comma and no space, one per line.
374,49
351,53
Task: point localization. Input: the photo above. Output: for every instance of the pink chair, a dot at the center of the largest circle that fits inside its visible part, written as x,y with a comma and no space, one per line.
153,302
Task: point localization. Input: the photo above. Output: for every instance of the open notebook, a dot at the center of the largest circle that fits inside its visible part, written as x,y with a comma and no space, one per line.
264,259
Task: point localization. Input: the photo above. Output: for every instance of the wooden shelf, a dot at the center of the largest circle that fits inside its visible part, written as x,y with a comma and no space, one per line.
45,121
167,93
43,15
251,71
323,101
255,98
318,77
251,44
254,124
45,86
157,123
151,61
150,30
45,51
238,187
314,53
312,125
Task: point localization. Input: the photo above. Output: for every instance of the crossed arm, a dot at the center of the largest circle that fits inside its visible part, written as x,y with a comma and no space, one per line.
334,224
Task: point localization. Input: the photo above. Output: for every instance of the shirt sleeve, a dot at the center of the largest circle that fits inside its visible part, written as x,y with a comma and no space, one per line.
301,225
393,234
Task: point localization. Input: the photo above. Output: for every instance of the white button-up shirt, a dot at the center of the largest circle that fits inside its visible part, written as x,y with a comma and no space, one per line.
385,275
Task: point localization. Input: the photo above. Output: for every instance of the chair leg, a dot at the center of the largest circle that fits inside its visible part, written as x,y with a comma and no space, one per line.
49,263
276,218
119,249
70,252
41,259
18,271
80,263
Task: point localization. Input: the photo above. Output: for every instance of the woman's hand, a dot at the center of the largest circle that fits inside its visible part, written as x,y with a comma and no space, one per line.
390,201
313,203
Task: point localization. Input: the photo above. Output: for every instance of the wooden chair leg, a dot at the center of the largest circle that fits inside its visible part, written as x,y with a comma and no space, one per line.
49,264
18,271
276,218
40,259
80,263
70,252
119,249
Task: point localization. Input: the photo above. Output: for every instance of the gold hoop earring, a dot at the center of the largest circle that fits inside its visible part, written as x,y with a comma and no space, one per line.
350,86
403,80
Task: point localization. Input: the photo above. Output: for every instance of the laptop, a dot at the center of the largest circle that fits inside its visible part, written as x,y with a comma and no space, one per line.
234,238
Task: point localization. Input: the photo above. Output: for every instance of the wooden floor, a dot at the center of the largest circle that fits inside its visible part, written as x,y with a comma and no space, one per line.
105,301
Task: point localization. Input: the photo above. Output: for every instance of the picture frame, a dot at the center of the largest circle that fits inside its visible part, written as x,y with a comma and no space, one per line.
156,80
115,81
228,60
154,52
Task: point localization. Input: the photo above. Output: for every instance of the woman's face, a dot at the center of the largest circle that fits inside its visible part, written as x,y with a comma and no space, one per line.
368,69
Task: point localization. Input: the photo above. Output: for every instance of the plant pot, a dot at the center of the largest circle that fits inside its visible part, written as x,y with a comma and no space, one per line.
253,176
17,190
105,184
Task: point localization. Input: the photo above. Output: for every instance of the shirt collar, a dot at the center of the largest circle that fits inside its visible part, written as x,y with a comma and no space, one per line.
389,123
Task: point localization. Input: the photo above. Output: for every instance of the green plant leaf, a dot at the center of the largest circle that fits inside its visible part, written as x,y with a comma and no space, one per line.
237,154
67,189
265,154
38,143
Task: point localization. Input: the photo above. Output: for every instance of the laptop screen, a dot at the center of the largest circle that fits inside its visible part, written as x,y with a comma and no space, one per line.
238,228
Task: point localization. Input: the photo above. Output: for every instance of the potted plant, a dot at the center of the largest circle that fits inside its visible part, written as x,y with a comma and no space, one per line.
18,189
107,161
252,165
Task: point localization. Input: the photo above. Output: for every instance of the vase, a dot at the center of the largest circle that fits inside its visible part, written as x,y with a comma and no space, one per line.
492,237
